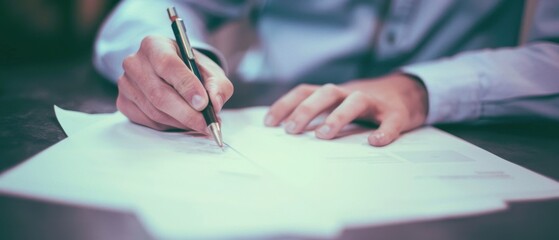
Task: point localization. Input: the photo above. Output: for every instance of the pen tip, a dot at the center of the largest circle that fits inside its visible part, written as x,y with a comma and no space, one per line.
215,130
220,142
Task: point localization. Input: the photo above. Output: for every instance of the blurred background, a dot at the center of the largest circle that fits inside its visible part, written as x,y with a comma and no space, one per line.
38,32
46,31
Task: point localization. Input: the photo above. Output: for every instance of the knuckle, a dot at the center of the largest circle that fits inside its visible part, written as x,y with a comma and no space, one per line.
330,87
331,90
129,63
148,42
164,64
334,90
157,97
304,88
167,60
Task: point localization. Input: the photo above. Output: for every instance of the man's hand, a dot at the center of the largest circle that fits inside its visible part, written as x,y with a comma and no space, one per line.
397,102
159,91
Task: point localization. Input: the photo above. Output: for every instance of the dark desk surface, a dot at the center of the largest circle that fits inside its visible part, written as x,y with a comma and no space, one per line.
28,125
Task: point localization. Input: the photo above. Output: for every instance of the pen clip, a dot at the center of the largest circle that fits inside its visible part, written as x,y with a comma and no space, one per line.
181,30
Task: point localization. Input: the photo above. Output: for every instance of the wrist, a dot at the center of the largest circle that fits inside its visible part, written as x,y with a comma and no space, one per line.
415,92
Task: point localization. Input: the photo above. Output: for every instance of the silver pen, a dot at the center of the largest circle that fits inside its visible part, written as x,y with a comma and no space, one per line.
187,56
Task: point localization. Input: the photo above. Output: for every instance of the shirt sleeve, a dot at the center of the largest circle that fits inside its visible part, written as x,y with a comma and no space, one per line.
132,20
493,83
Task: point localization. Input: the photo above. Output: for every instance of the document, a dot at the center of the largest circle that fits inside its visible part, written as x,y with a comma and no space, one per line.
425,166
266,183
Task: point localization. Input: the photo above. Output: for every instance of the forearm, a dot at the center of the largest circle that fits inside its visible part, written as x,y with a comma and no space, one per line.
512,82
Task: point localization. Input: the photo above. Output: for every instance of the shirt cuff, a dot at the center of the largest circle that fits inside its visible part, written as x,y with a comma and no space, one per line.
454,90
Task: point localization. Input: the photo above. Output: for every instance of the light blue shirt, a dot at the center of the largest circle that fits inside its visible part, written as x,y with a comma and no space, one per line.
467,53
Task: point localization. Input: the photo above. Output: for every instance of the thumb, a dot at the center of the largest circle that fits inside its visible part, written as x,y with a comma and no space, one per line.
388,131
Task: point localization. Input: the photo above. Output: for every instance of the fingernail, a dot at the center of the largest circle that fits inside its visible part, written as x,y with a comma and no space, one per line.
269,120
197,102
378,137
290,127
324,130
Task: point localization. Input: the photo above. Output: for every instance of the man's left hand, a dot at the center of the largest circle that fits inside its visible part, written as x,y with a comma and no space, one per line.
396,102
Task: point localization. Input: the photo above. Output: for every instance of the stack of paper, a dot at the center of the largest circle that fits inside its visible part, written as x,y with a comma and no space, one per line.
265,182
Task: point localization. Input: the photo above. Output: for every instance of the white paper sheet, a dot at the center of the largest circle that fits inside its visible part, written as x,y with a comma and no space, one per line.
422,168
181,186
73,122
267,182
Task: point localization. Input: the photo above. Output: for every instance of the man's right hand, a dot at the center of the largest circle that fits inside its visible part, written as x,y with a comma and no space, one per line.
159,91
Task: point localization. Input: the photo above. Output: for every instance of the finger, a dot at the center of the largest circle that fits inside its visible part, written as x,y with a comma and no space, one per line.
283,107
130,91
208,67
159,95
220,89
350,109
389,130
319,101
218,86
162,54
131,110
